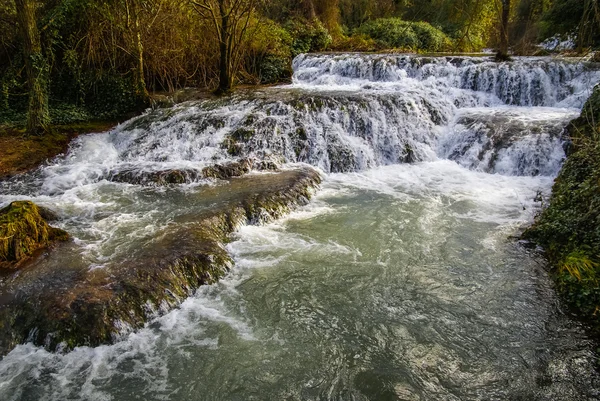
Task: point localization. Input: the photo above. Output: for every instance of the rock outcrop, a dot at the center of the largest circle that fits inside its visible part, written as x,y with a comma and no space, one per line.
61,307
222,171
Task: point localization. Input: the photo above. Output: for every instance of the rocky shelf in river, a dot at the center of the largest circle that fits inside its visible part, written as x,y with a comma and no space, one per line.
59,306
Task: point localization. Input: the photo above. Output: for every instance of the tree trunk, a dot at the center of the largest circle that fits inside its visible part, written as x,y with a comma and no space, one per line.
225,77
309,9
140,81
503,50
35,68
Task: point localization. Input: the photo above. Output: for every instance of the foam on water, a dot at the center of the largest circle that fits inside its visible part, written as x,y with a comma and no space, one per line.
397,281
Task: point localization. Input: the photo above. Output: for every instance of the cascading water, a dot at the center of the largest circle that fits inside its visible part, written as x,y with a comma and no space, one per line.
397,282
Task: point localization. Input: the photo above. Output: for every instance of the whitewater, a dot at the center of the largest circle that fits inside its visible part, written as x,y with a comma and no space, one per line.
401,280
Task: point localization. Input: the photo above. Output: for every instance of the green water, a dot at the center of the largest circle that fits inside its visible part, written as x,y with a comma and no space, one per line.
400,283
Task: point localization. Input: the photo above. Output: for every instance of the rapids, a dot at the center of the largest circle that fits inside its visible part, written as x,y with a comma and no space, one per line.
399,281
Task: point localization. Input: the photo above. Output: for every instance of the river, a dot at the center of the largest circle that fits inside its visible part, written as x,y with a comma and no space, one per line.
401,280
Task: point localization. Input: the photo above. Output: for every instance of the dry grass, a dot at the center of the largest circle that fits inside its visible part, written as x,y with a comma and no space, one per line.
578,265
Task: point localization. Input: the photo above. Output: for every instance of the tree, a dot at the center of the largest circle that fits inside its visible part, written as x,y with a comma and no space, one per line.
502,54
230,20
134,9
36,68
589,24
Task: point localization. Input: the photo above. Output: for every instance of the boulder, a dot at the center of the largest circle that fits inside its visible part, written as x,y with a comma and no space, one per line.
24,230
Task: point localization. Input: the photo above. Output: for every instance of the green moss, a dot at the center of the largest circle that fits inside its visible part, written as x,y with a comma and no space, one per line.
243,134
23,230
229,170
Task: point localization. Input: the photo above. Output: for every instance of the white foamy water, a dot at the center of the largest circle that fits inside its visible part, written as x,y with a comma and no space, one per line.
396,282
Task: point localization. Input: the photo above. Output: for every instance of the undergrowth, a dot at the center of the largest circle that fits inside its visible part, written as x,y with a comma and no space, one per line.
569,228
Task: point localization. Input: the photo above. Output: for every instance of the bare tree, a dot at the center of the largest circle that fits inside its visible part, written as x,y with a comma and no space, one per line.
35,68
231,20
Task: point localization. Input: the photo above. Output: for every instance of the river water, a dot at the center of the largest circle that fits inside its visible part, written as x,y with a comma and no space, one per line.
401,280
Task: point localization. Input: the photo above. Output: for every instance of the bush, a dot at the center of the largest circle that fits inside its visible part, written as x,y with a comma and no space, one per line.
399,34
431,38
308,36
269,57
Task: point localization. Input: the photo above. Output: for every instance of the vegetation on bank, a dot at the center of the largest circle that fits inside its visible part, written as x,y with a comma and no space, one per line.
569,227
20,152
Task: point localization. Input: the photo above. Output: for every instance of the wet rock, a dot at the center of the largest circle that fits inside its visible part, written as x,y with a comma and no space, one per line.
229,170
165,177
501,142
187,176
60,306
24,230
268,163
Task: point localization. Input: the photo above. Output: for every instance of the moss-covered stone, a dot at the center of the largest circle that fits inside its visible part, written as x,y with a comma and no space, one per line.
228,170
24,230
186,176
160,178
96,307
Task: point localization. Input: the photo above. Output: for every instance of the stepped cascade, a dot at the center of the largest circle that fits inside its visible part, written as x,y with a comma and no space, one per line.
396,281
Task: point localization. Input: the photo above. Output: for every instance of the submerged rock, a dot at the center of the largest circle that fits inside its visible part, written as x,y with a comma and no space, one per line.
24,230
60,306
507,141
164,177
186,176
229,170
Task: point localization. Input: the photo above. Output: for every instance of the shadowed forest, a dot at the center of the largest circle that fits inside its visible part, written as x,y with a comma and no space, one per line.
78,60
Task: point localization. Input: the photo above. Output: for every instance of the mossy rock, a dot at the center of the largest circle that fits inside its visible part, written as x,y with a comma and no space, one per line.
24,230
157,178
229,170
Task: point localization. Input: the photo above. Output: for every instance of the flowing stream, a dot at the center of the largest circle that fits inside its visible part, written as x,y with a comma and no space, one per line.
401,280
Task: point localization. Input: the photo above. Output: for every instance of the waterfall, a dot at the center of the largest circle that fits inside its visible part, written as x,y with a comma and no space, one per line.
445,157
353,112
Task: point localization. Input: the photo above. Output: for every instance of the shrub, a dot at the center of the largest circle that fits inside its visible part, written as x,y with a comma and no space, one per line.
308,36
269,57
396,33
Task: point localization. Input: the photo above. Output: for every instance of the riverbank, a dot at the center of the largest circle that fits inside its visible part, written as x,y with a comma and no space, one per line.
569,227
20,153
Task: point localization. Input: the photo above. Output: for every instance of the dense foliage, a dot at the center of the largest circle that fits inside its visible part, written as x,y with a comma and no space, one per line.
410,36
100,58
569,228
